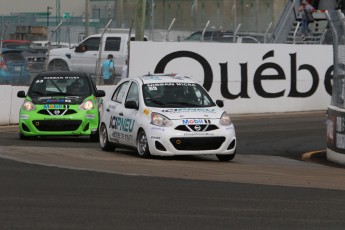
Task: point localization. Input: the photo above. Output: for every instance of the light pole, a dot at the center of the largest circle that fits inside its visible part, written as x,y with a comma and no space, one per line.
48,8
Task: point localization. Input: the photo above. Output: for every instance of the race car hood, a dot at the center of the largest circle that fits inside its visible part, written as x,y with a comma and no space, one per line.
195,113
58,100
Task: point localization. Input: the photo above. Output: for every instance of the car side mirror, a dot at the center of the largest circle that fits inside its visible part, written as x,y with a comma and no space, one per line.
100,93
21,94
81,49
220,103
131,105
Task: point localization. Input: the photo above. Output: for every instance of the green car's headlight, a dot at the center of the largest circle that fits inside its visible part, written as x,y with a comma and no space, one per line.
160,120
28,106
225,119
86,105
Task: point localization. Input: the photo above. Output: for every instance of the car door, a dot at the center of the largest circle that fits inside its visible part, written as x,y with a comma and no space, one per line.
112,115
131,116
85,55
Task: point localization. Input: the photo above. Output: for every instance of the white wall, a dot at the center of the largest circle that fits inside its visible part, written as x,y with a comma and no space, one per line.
272,67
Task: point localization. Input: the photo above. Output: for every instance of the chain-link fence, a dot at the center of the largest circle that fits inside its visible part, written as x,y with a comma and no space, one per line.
30,32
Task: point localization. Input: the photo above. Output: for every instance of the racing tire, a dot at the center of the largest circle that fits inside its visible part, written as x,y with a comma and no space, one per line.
227,157
58,65
94,137
22,136
142,145
103,139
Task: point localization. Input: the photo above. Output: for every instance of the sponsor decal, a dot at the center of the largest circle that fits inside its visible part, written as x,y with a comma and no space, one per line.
116,136
186,110
336,130
195,121
61,100
121,124
158,128
90,116
24,117
198,134
146,112
155,138
55,118
60,78
259,78
54,106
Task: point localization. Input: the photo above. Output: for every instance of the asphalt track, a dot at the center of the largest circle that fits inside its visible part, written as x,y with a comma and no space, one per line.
279,180
291,165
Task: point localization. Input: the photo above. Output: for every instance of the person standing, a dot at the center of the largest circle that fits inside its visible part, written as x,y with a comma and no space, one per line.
305,9
340,5
108,70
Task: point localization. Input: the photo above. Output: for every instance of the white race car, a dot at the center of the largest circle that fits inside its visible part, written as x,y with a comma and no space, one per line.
166,115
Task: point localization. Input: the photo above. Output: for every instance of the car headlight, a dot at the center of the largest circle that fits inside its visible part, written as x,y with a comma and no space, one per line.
28,106
225,119
86,105
160,120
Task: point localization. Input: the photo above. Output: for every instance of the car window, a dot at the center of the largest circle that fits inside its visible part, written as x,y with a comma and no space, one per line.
120,92
13,56
60,86
176,95
133,93
249,40
112,44
18,46
92,43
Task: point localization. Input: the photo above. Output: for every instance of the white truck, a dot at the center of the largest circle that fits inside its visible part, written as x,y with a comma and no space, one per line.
91,52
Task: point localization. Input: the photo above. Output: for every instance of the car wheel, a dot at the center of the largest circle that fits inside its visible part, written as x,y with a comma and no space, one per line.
142,145
227,157
22,136
103,139
94,137
58,65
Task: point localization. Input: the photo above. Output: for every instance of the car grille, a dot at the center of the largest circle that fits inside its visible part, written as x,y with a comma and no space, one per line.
196,128
197,143
56,112
57,125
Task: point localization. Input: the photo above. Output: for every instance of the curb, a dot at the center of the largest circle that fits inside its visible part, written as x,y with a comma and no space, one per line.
315,155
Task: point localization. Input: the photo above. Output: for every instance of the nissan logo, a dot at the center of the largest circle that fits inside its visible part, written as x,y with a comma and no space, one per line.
197,128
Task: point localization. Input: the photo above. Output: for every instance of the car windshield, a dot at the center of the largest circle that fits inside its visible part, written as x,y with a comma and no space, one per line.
176,95
19,46
59,86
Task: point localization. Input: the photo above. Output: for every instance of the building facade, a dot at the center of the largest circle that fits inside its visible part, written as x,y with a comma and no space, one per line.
250,16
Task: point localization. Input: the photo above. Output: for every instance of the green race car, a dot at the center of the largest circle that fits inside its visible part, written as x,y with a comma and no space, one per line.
60,104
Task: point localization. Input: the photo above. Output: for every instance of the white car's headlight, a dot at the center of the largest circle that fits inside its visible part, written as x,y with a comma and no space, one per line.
86,105
160,120
225,119
28,106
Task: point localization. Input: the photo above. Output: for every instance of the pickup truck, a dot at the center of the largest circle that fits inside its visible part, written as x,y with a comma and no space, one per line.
85,56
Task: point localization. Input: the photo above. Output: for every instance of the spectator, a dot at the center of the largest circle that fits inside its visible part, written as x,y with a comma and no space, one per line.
340,5
108,70
304,9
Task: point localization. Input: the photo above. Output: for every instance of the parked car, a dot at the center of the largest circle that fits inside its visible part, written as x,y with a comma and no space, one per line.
85,56
35,58
166,115
60,103
13,68
221,36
